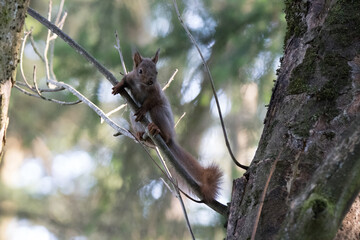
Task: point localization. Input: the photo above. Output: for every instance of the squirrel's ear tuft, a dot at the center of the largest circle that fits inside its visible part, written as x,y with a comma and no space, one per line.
137,59
156,57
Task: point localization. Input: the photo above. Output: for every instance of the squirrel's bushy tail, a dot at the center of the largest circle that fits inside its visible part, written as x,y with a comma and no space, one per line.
208,178
210,184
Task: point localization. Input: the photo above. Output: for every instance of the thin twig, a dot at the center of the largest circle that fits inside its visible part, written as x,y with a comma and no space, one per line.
34,46
117,46
47,99
170,80
212,87
114,111
109,76
171,179
47,45
166,169
166,173
41,89
178,121
59,12
263,196
167,185
60,23
177,193
35,82
96,109
25,91
35,89
21,59
52,46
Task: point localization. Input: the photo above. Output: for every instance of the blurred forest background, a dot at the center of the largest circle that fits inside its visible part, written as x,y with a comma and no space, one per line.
64,175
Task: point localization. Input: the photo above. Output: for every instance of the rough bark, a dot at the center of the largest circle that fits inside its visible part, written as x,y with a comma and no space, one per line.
12,17
350,227
312,128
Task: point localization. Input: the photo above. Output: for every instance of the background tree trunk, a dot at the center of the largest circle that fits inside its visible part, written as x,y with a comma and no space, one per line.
12,17
312,131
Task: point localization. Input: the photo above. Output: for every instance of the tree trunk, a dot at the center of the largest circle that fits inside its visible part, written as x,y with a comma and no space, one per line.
311,136
12,17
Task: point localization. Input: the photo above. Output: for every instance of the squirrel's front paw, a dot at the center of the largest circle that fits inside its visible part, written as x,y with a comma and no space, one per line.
116,89
153,129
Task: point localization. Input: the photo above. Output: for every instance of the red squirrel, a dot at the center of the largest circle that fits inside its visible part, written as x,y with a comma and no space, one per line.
146,91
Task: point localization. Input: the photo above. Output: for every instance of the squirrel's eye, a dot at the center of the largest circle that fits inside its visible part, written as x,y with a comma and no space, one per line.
150,82
140,71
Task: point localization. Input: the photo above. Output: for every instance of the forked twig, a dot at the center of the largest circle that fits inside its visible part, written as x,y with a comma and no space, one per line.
111,123
51,78
212,86
36,91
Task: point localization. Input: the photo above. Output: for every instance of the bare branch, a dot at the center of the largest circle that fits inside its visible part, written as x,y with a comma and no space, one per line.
182,116
170,80
109,76
176,192
35,82
34,46
24,91
35,89
21,59
117,46
96,109
57,20
60,23
114,111
212,86
47,45
44,98
41,89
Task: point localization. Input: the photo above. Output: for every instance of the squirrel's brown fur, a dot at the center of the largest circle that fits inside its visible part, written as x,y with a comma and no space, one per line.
146,90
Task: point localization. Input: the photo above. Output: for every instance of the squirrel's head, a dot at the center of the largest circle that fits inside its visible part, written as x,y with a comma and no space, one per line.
146,67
